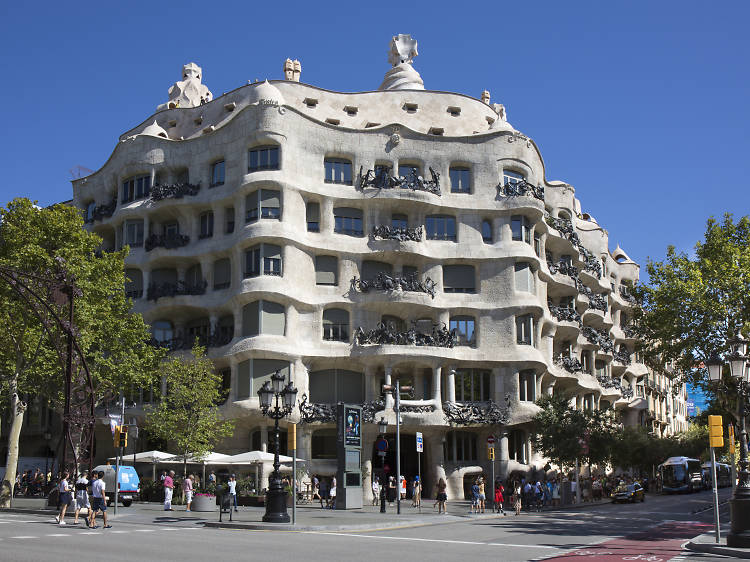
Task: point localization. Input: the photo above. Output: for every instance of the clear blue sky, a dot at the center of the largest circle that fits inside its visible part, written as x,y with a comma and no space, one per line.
642,106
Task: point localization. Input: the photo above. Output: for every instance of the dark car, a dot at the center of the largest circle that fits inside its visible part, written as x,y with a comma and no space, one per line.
628,493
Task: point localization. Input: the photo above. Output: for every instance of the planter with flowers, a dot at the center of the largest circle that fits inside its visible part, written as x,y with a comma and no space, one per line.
204,502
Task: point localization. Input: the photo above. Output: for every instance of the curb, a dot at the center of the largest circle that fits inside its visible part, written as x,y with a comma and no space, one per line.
46,511
309,528
718,549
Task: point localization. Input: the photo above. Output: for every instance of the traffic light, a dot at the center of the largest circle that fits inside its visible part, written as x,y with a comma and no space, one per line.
124,436
491,453
117,436
715,432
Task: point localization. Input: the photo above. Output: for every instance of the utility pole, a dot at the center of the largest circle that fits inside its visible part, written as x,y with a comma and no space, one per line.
398,445
118,452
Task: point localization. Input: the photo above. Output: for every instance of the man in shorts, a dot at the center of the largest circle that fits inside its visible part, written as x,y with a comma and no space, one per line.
98,501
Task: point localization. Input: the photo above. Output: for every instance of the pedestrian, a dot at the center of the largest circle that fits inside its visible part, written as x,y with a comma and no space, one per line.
517,491
482,494
391,489
187,490
82,495
233,490
316,490
375,490
99,501
475,496
212,478
163,476
65,497
416,492
555,493
332,494
441,496
402,487
499,489
168,490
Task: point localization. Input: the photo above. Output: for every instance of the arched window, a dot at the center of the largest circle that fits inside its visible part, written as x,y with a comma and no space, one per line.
518,448
338,170
263,317
336,324
133,283
464,330
331,386
460,446
263,158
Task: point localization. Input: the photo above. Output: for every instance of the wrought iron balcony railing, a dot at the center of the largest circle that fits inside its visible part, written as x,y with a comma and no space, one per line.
519,189
168,241
563,267
385,282
383,334
623,356
564,313
382,179
174,191
158,290
598,338
570,364
402,234
477,413
103,211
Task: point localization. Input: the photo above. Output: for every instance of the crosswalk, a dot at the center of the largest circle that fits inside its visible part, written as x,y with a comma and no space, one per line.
72,530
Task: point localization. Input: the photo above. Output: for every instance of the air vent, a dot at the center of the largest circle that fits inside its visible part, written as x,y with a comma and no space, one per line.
454,111
436,131
172,123
310,102
351,110
333,121
411,107
198,120
230,106
370,125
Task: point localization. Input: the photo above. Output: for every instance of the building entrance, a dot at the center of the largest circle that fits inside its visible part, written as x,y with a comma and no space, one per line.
408,461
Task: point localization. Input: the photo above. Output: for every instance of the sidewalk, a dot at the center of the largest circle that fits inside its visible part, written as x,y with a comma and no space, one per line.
706,543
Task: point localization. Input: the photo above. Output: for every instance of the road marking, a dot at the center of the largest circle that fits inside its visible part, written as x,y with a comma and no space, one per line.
145,530
119,532
376,537
58,535
23,537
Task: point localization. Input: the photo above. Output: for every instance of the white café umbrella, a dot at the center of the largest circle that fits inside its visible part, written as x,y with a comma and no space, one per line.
256,458
209,459
152,457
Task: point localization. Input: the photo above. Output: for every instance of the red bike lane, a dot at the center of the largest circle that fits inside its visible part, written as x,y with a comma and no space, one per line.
660,544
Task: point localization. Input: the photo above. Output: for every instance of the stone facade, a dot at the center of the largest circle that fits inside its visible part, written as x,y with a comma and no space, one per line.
353,239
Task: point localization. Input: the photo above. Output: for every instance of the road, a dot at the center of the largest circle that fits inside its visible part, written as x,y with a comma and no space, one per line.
652,531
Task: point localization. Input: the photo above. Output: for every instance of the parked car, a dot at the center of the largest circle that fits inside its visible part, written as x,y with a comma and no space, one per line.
127,480
628,493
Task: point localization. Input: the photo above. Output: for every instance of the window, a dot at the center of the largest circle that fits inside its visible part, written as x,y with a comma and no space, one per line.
524,277
405,170
460,446
336,324
326,270
586,361
459,279
133,233
199,330
228,220
331,386
161,330
409,270
520,228
440,227
264,203
512,178
222,273
133,283
371,268
207,225
194,276
348,221
399,221
164,276
263,317
89,213
226,384
527,386
171,229
263,158
252,373
136,187
464,329
312,210
518,448
487,232
525,329
602,369
538,245
217,173
472,385
460,180
323,444
338,171
264,259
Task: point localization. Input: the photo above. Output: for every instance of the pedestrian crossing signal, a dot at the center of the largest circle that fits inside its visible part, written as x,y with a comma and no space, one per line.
491,453
715,432
121,436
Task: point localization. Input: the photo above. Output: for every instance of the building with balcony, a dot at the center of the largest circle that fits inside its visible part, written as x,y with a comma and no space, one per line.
356,239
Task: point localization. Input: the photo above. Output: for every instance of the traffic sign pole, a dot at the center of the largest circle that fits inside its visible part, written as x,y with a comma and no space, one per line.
491,445
420,449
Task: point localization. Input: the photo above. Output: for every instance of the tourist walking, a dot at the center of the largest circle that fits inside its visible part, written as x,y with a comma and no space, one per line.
517,497
482,494
99,501
402,487
168,490
416,492
499,489
391,489
441,496
233,490
66,497
332,494
375,490
82,495
475,497
187,489
212,478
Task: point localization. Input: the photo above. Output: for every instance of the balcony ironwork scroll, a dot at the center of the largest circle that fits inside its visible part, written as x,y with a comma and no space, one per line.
520,189
622,355
565,228
382,179
417,408
570,364
218,337
383,334
402,234
630,331
158,290
598,338
168,241
174,190
102,211
564,313
384,282
477,413
564,268
596,301
311,412
625,294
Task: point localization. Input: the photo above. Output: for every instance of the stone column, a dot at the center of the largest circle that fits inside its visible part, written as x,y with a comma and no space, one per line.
503,455
389,396
146,275
326,216
207,271
436,391
232,379
451,384
434,464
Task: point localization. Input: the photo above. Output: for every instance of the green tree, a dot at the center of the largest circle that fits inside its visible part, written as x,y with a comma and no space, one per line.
114,342
558,430
188,415
692,306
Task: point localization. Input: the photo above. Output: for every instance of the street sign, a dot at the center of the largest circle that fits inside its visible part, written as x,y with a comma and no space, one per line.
381,445
491,441
420,443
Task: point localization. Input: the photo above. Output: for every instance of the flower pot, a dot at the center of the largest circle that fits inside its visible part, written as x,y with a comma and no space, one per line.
204,503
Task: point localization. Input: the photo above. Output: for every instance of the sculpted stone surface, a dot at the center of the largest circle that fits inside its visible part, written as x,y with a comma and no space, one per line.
383,334
402,76
188,92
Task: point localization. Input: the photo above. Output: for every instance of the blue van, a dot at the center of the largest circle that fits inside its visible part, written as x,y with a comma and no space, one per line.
127,481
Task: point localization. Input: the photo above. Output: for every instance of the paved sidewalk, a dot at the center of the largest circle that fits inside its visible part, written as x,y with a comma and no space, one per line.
706,543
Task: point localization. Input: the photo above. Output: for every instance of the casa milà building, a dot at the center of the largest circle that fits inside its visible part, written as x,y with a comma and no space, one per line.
356,239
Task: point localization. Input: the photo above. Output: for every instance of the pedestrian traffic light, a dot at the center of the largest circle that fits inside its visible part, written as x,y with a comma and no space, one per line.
124,436
715,432
117,436
491,453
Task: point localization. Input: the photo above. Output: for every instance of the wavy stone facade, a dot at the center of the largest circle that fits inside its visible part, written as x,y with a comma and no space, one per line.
355,239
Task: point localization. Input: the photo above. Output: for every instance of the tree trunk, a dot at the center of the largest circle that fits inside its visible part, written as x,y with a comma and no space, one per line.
17,410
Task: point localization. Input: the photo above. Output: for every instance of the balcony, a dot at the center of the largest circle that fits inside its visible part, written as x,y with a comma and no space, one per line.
598,338
622,356
564,313
382,179
564,268
168,241
102,211
174,191
521,188
158,290
570,364
596,301
402,234
219,336
386,335
385,282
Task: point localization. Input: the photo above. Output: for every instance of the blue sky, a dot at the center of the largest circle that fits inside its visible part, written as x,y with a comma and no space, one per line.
642,106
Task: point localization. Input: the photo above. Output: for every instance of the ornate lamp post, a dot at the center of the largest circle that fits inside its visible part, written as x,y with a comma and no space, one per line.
382,428
739,505
284,398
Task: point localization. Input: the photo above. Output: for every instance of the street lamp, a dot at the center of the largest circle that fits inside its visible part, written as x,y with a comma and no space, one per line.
382,428
284,398
739,505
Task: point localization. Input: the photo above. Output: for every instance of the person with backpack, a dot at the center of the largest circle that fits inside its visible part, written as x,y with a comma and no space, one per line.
82,495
